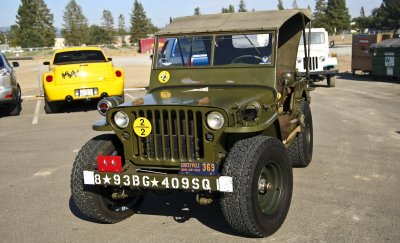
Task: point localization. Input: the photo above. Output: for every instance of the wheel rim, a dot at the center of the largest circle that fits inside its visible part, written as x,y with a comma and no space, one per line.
116,205
270,187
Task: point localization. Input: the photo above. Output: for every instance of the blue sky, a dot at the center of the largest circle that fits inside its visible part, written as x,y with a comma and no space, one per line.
161,10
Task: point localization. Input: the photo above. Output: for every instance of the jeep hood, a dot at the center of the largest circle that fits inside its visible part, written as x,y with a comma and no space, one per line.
221,97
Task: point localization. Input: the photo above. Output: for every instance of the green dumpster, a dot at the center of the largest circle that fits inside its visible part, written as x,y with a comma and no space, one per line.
386,58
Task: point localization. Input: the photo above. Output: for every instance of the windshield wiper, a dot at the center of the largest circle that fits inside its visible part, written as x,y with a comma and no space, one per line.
253,45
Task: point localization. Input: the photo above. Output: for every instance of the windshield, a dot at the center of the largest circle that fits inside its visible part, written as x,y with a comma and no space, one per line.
79,57
239,49
316,38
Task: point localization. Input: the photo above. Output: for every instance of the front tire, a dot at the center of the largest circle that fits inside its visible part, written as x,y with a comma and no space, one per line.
262,186
17,107
96,202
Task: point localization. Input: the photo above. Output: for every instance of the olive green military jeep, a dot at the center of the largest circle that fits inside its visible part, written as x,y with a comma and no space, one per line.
226,116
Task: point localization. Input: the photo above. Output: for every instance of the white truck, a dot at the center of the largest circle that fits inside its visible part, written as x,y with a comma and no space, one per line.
321,64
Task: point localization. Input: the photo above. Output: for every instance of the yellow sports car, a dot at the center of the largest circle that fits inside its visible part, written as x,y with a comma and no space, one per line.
80,73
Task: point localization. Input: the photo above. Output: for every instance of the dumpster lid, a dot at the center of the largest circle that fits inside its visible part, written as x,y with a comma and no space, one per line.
395,42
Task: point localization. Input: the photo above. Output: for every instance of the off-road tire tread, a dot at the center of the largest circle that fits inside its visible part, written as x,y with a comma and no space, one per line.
83,199
240,165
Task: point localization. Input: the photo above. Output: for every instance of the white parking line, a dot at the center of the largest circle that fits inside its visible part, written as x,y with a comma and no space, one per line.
36,114
131,97
135,89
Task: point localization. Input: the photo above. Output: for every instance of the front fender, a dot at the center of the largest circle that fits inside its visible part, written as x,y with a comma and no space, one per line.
101,126
253,129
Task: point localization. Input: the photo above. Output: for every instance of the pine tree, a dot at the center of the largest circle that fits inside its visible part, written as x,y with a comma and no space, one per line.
280,5
75,25
242,6
196,11
45,20
98,35
108,26
294,5
34,25
319,15
139,23
390,10
338,17
230,9
362,12
121,28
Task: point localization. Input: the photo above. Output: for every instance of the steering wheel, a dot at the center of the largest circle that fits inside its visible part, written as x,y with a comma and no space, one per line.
236,60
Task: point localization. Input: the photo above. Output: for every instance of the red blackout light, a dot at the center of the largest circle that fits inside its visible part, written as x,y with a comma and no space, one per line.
118,73
49,78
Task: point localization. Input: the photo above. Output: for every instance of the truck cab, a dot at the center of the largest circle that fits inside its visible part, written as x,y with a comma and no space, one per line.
321,64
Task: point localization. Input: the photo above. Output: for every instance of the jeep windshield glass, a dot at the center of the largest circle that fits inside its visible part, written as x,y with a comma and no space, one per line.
253,49
79,57
184,51
238,49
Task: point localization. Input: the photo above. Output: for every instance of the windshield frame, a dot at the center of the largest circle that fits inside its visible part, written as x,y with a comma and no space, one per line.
214,36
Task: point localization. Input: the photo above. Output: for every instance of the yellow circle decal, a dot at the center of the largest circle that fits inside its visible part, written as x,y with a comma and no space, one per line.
163,77
142,127
165,94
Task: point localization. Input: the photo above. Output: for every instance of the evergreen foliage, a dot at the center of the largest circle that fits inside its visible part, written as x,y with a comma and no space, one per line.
242,6
338,18
280,5
34,25
319,15
108,26
139,23
197,11
229,9
75,25
294,5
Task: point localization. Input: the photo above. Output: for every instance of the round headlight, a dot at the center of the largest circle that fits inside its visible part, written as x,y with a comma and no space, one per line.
121,119
322,58
215,120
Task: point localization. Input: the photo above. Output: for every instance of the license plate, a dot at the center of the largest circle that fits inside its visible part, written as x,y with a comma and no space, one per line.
203,168
86,92
159,181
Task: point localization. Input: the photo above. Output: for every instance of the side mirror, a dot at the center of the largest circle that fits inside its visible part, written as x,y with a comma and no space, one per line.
15,64
151,56
46,63
109,59
286,79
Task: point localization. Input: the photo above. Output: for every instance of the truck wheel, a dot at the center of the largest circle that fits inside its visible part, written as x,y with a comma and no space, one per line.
331,80
301,149
262,186
16,109
50,107
96,202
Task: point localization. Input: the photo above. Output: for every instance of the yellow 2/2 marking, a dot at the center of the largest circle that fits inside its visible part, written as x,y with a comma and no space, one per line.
142,127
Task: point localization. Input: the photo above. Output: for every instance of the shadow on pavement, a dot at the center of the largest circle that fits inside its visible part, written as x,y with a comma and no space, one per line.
180,206
366,78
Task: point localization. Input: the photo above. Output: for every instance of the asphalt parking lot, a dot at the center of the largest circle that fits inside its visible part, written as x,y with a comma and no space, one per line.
349,193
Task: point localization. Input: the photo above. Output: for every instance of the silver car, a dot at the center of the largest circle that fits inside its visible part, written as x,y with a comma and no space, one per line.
10,91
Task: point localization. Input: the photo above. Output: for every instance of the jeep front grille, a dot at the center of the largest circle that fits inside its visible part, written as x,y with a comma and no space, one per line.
176,135
313,64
